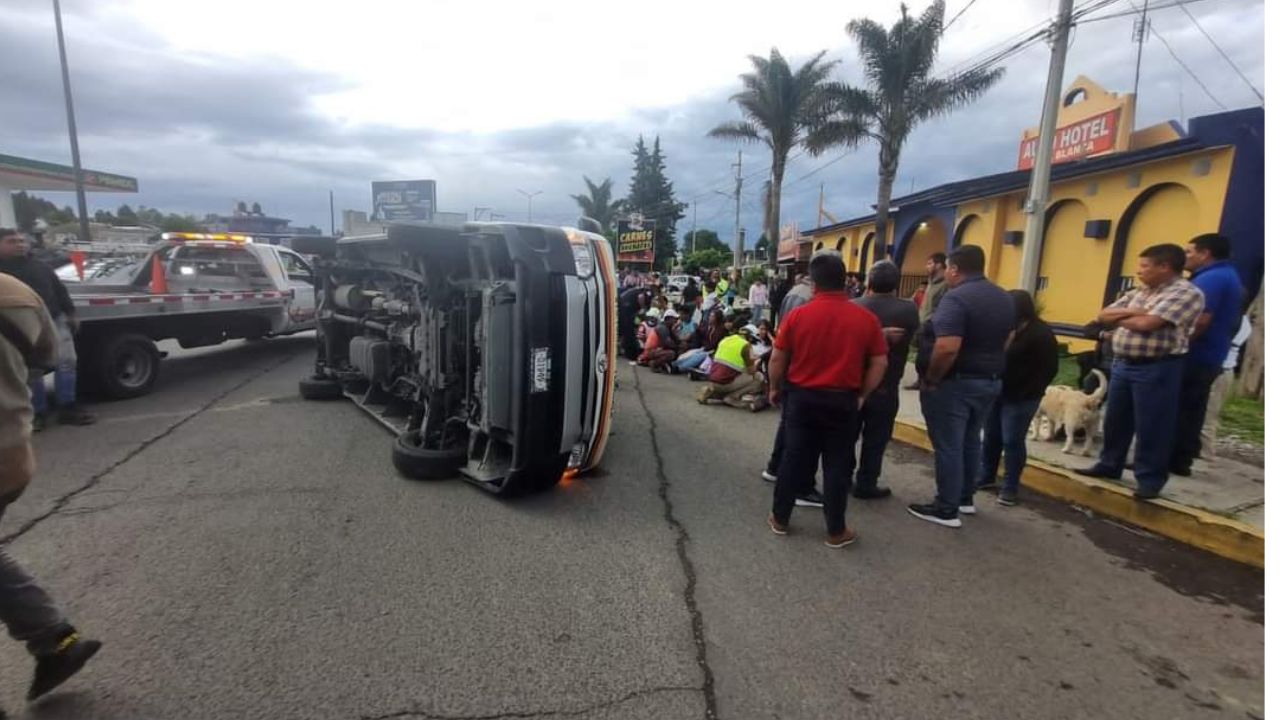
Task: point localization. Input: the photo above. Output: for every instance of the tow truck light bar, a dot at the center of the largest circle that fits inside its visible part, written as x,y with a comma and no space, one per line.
216,237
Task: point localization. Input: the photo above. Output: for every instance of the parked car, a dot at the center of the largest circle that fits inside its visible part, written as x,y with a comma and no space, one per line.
489,350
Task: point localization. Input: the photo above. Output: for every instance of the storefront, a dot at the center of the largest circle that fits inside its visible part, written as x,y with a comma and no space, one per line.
1114,191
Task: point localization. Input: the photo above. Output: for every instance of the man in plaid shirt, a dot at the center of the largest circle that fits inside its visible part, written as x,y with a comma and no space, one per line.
1153,325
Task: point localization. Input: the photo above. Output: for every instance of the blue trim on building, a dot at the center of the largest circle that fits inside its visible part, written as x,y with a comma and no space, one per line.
1244,209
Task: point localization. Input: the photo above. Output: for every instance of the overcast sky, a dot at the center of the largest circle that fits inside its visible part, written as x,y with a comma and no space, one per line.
280,101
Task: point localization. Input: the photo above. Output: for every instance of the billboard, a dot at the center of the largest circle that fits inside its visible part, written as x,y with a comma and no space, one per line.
404,200
636,238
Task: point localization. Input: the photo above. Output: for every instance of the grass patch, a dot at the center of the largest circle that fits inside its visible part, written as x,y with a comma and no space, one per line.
1068,371
1242,417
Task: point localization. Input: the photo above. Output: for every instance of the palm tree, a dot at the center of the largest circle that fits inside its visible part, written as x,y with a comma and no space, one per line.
781,106
901,94
598,204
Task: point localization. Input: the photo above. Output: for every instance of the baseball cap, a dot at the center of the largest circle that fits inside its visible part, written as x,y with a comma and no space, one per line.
670,314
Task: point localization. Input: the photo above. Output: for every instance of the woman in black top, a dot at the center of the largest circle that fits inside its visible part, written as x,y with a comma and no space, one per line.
1031,363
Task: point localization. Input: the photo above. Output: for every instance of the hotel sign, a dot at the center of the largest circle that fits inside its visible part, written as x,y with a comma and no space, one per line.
1079,140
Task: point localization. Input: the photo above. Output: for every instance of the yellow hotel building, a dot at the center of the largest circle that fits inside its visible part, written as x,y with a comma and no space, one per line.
1114,192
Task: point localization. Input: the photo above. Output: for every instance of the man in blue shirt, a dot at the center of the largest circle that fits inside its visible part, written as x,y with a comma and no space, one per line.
960,362
1211,271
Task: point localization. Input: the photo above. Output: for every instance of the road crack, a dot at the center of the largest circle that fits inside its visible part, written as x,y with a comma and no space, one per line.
62,500
712,711
517,714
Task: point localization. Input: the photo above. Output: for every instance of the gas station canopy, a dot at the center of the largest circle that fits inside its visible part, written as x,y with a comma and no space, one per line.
23,174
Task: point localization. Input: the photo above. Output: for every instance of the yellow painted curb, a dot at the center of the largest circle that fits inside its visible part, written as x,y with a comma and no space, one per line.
1219,535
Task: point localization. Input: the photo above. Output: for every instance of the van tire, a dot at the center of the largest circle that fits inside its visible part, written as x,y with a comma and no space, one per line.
419,463
319,388
127,366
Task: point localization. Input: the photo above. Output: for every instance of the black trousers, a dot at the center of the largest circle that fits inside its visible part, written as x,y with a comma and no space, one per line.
818,426
874,425
1193,400
807,487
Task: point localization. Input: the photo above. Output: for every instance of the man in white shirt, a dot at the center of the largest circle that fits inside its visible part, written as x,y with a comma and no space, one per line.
1220,389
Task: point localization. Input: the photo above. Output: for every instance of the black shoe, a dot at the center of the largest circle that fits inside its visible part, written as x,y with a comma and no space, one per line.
39,421
1181,471
933,514
872,493
55,668
810,499
73,415
1145,494
1097,471
986,485
1007,499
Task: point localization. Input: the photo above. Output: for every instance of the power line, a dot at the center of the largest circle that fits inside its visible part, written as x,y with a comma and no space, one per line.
1219,49
957,15
1178,60
1152,7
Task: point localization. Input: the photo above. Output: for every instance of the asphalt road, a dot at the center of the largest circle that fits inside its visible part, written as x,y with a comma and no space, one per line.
244,554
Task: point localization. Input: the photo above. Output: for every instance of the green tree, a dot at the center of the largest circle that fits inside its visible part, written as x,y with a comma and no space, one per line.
126,216
598,204
180,223
105,217
781,106
30,208
653,195
900,95
707,239
709,259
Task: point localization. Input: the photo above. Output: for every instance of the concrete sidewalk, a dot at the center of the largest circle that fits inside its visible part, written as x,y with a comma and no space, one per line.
1219,508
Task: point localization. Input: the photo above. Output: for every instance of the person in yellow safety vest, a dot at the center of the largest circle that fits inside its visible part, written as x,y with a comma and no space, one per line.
717,287
733,372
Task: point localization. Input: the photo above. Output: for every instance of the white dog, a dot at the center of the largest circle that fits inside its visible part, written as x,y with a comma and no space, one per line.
1065,408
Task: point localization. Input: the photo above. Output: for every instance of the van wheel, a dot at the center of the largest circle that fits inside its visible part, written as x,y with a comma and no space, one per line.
419,463
127,366
319,388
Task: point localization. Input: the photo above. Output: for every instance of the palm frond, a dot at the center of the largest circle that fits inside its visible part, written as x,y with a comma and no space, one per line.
740,130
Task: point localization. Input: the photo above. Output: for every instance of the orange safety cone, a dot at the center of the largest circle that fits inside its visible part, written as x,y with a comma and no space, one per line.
77,259
158,284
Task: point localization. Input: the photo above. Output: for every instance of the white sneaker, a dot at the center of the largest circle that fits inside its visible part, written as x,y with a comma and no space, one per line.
968,510
768,476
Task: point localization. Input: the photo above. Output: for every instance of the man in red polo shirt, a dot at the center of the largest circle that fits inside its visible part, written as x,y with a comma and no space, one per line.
832,355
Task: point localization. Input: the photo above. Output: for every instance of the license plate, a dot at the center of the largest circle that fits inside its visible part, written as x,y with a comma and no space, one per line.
540,369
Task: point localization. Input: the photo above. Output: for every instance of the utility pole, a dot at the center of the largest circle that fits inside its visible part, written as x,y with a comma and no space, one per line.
737,212
332,229
693,237
1140,37
529,196
81,205
1038,195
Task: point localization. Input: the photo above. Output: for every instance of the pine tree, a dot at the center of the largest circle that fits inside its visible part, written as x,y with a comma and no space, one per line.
653,195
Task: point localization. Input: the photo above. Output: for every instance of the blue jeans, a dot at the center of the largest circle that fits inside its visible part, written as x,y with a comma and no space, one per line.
1142,400
955,412
64,372
692,362
1006,432
757,312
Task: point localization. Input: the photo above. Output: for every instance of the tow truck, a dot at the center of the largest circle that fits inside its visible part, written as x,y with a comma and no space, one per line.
199,289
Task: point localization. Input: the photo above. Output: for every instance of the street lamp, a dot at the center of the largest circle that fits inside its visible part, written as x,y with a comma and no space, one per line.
529,196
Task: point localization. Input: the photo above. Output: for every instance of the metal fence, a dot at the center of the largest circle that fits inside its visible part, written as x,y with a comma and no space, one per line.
908,284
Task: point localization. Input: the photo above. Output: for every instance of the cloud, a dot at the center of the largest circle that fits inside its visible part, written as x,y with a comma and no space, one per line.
201,128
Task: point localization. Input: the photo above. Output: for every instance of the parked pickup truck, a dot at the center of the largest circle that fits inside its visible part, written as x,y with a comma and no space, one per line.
489,350
199,289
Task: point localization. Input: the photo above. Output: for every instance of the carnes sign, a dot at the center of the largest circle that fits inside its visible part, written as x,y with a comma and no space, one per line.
1086,138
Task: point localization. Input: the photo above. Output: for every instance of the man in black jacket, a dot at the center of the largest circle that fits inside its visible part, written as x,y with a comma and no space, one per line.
899,320
16,261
